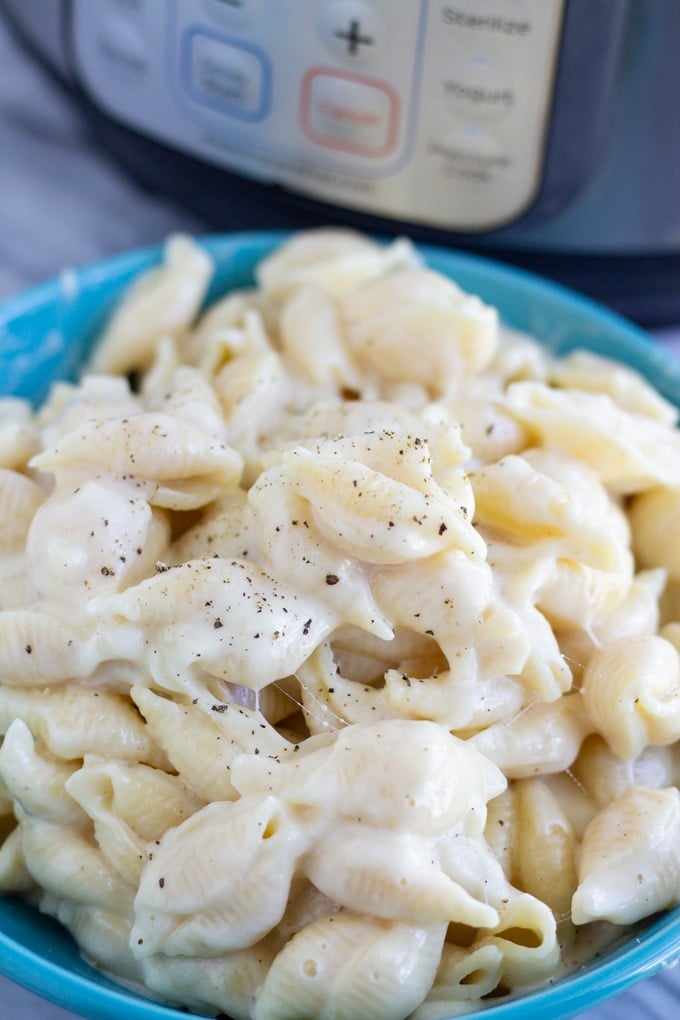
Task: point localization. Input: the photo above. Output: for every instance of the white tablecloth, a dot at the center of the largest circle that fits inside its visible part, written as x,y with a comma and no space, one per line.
64,203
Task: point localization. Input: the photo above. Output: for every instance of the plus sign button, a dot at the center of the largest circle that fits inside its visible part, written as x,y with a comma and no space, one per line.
352,31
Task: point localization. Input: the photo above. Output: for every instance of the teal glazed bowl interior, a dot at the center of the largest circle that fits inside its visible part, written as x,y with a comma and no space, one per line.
46,333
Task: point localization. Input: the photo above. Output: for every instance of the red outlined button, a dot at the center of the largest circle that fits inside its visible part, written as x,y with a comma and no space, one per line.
341,110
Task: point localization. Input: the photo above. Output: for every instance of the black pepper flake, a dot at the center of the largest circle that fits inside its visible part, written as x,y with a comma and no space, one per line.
28,649
217,623
219,708
106,571
332,578
161,882
442,528
306,625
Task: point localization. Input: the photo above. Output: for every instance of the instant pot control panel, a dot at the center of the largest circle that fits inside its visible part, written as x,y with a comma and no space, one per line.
439,115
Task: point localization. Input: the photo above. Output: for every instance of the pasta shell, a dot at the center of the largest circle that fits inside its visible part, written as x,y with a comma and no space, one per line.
585,370
633,875
73,721
19,499
336,260
100,538
527,937
182,729
247,852
543,738
631,690
185,467
370,516
345,966
545,855
296,551
14,875
19,433
37,649
629,452
415,325
308,314
103,935
655,521
391,875
36,779
196,620
163,300
64,862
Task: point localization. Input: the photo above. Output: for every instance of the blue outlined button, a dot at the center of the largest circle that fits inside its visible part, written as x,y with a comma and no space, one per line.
227,75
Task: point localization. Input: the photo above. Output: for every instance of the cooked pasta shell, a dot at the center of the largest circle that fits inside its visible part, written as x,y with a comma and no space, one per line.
543,738
102,935
337,260
345,966
501,830
38,648
196,746
629,452
247,851
606,777
585,370
526,935
226,984
20,497
101,537
308,314
130,805
459,698
253,390
638,613
416,325
162,300
441,596
189,397
72,721
148,799
69,406
576,595
545,852
225,528
14,875
219,333
36,779
629,865
185,467
464,975
197,619
655,521
391,875
295,550
487,428
16,588
19,433
372,517
408,775
330,701
64,862
631,690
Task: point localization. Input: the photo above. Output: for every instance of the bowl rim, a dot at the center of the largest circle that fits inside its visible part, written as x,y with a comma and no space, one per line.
654,947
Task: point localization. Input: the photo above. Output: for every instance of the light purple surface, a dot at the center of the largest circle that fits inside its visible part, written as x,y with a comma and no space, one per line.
63,203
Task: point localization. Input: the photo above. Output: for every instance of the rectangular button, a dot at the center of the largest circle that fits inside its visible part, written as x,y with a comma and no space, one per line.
230,77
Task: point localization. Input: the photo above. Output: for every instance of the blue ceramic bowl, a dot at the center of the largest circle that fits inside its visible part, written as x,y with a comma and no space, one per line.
46,333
